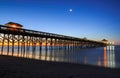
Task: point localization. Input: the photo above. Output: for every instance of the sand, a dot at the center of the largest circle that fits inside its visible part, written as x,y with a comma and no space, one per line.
14,67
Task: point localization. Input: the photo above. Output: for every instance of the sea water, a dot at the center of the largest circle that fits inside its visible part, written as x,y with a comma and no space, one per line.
108,56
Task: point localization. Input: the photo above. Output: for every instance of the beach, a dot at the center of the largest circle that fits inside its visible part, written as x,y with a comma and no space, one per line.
16,67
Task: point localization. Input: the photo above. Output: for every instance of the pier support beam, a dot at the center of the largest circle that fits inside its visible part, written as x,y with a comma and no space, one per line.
8,45
40,47
2,47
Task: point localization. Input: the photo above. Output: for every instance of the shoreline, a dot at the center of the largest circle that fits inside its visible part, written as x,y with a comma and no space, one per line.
17,67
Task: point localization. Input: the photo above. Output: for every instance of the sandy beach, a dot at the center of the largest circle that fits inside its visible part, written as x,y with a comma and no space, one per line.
14,67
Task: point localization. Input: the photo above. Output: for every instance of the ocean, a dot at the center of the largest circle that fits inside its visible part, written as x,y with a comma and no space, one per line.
108,56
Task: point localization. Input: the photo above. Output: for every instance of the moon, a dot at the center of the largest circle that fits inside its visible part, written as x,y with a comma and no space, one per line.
70,10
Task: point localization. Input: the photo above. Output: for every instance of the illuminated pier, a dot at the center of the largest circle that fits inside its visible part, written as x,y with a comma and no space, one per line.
25,39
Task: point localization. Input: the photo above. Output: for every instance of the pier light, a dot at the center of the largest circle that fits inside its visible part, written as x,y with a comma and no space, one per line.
113,43
110,42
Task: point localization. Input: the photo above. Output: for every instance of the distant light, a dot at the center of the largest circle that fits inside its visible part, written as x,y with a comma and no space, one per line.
14,26
112,42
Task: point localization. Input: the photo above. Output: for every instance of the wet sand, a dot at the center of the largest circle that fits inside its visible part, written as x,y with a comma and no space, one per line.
14,67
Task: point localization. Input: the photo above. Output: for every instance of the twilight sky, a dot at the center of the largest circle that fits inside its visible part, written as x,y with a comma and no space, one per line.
94,19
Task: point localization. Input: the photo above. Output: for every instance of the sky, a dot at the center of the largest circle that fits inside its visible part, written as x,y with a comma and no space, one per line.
93,19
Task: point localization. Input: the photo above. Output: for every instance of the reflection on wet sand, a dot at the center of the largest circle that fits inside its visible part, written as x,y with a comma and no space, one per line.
99,61
85,60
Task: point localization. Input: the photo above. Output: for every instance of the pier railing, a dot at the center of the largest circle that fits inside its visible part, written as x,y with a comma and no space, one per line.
27,32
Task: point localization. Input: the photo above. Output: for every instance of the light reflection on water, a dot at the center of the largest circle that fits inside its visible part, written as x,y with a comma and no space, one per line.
110,54
104,56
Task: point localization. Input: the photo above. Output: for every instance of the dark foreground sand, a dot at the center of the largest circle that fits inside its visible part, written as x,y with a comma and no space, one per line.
13,67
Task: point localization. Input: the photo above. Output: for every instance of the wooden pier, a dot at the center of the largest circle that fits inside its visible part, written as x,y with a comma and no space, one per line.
26,39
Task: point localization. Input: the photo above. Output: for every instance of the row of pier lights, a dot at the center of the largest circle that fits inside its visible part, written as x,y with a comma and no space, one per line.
29,39
107,42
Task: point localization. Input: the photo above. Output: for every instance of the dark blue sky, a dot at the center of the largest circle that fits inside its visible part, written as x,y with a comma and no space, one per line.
94,19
